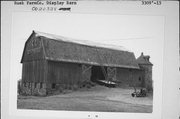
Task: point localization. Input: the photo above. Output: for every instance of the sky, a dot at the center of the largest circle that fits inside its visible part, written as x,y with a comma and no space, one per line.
137,33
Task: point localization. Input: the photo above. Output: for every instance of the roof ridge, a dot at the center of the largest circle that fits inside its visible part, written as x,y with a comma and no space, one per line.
81,42
141,59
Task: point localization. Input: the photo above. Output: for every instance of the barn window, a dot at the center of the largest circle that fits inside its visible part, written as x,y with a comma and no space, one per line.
53,86
139,78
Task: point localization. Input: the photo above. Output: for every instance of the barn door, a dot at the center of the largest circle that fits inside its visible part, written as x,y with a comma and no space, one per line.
111,72
86,72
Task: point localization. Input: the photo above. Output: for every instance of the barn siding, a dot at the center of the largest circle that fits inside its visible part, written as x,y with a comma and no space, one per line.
86,73
63,73
123,75
34,71
129,77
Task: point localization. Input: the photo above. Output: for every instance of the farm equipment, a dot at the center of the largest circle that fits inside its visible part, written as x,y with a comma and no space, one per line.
141,93
109,84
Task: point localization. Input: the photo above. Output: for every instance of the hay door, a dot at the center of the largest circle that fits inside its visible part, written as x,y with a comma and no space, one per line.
97,73
111,72
86,72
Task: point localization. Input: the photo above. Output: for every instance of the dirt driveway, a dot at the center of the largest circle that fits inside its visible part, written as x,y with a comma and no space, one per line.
98,98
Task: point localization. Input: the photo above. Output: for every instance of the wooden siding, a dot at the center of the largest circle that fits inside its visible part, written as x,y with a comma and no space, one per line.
64,73
130,77
86,72
34,71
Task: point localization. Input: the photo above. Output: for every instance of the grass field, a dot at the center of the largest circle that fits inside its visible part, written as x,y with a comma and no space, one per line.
97,98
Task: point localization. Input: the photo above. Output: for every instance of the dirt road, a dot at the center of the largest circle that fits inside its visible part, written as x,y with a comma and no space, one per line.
95,99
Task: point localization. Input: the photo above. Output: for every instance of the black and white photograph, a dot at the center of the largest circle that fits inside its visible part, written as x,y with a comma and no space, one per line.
81,62
95,61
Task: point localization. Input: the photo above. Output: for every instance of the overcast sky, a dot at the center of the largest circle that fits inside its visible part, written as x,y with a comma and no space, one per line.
134,32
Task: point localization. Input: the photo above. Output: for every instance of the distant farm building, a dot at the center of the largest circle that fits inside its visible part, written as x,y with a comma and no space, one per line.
50,63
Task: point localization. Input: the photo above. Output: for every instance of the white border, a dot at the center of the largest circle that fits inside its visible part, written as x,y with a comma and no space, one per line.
170,87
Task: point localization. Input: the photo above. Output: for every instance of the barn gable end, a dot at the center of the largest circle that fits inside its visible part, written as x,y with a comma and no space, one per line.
34,69
33,49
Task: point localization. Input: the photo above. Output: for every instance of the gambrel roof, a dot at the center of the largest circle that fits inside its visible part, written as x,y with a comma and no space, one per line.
62,49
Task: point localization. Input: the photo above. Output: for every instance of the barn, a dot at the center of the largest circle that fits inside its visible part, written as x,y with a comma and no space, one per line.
51,63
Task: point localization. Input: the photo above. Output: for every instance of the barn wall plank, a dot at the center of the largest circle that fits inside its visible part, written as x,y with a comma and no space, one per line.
63,73
34,71
129,77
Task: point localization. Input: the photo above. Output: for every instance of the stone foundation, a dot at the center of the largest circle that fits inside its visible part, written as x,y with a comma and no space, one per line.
37,89
42,89
60,88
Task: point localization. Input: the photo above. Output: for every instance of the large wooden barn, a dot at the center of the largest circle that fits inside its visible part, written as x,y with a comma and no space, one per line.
52,62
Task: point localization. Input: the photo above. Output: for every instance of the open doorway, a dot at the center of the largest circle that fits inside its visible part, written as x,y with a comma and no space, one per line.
97,73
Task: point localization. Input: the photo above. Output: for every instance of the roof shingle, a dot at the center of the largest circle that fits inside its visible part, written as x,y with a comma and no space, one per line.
58,49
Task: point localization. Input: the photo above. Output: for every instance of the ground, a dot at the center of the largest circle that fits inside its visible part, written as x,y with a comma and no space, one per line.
98,98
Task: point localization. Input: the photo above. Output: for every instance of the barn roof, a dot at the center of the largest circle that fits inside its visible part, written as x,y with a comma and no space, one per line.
144,59
58,48
83,42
